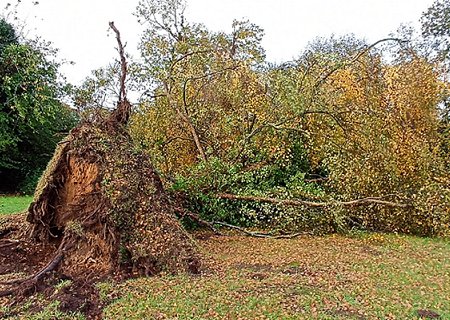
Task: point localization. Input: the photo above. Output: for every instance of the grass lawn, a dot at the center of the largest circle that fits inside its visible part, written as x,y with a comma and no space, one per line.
356,276
366,276
14,204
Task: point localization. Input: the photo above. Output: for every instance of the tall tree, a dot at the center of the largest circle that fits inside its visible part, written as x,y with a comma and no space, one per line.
31,112
436,32
436,27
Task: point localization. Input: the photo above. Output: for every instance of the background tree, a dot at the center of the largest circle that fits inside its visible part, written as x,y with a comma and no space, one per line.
32,115
196,79
436,27
436,32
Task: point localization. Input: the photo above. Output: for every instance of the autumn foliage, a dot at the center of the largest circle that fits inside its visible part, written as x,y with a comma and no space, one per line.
346,120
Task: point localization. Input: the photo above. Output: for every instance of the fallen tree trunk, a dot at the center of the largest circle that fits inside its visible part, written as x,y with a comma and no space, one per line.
292,202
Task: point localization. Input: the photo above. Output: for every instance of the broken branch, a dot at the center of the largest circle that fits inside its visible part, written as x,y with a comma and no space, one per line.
123,62
123,110
186,213
260,234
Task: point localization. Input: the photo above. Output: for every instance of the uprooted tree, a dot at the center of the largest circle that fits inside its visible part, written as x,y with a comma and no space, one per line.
99,209
294,146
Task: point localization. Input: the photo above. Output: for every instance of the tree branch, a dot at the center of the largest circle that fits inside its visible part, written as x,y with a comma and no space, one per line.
352,60
260,234
292,202
186,213
123,62
186,55
122,113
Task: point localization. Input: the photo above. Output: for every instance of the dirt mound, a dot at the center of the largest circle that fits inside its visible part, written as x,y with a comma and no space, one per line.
99,211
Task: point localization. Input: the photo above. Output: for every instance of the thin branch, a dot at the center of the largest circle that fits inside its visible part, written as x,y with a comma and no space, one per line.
186,55
194,133
206,75
172,139
163,26
185,116
315,180
354,59
278,126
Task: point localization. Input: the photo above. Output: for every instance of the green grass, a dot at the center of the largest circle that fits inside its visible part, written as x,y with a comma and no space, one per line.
14,204
370,276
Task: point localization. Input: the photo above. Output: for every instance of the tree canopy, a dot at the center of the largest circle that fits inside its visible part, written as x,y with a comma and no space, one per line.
340,122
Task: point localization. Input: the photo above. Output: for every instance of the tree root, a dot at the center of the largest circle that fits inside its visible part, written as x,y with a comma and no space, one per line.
6,293
5,232
49,267
8,243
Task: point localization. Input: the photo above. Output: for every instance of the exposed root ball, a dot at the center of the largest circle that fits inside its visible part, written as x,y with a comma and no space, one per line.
103,205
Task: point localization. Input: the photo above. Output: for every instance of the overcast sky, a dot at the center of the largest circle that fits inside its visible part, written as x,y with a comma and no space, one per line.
79,28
